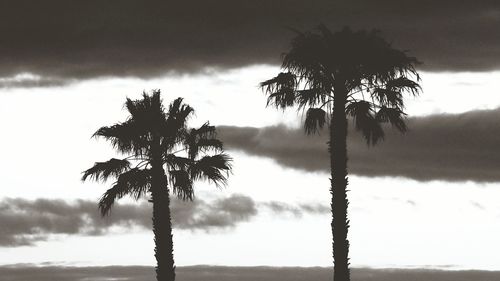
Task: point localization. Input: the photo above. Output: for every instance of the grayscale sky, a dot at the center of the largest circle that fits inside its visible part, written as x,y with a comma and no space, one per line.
429,199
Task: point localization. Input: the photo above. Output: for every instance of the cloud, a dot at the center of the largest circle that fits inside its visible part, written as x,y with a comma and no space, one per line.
89,39
219,273
25,222
477,205
221,213
277,207
446,147
27,80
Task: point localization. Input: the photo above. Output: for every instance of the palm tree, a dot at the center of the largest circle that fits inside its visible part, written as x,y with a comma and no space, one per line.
153,139
335,76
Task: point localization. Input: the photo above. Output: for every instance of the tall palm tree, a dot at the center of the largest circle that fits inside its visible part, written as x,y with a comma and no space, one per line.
335,76
163,155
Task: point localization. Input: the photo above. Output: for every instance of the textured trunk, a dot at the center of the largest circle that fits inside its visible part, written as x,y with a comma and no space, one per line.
338,161
162,223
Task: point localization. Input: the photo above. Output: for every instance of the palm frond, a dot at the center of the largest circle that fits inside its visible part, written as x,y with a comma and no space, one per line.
281,90
388,97
315,120
311,97
212,144
135,182
308,58
365,121
148,112
175,128
178,114
205,131
182,184
108,199
179,111
212,168
282,98
103,170
126,137
283,79
394,116
379,62
359,109
404,84
371,130
174,162
201,139
358,55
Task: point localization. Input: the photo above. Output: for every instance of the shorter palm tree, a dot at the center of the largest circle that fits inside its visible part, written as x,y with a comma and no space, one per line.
163,155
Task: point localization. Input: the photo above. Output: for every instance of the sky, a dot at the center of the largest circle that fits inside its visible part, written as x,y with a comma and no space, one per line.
428,199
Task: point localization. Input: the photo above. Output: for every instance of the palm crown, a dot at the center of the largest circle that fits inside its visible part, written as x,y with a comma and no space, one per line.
372,73
150,133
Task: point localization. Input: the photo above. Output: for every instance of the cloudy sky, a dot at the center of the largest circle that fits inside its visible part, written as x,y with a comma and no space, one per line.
429,199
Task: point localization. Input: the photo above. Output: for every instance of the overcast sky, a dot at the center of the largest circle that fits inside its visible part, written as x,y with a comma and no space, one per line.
427,199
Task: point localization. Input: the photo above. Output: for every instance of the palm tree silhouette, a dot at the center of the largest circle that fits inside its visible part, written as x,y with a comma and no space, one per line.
335,76
153,140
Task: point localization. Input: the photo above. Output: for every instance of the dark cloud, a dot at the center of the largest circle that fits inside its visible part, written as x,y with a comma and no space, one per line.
25,222
219,273
220,213
93,38
439,147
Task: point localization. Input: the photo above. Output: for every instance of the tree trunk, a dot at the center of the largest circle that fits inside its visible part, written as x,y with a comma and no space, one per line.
338,162
162,223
